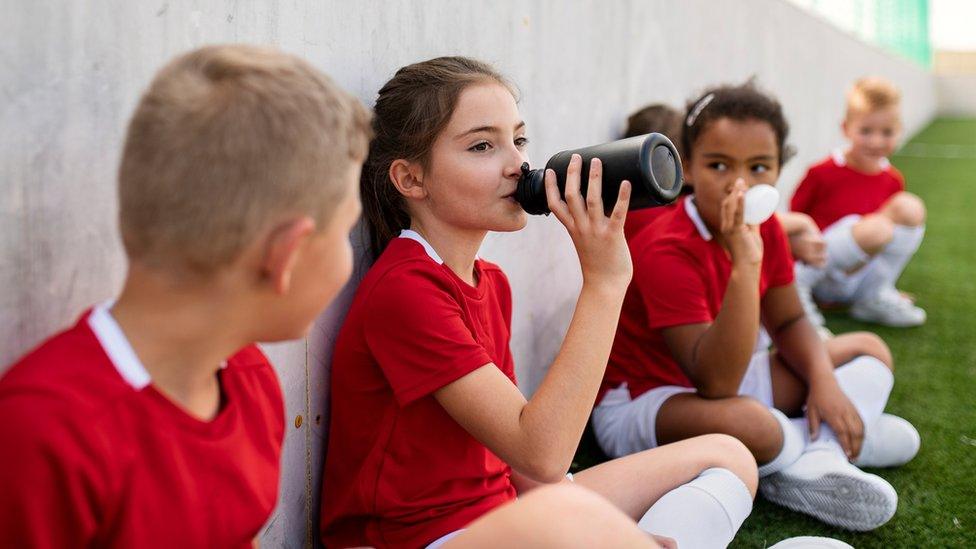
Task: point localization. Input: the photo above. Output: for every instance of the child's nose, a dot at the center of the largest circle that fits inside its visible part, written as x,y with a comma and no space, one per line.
513,164
747,176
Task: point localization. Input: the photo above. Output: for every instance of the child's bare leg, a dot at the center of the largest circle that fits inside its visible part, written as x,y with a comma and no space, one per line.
556,516
665,468
872,233
790,392
904,209
696,492
688,415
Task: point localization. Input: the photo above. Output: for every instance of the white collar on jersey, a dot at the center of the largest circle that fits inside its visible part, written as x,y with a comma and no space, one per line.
414,235
841,160
117,347
692,210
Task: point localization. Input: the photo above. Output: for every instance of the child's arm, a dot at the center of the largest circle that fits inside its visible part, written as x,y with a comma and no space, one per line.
804,353
539,437
715,356
806,240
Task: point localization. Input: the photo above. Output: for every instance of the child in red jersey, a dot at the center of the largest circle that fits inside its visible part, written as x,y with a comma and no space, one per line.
691,356
155,421
806,242
430,438
872,227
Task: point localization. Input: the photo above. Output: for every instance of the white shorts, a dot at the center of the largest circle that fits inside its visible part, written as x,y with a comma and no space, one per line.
839,286
624,426
443,539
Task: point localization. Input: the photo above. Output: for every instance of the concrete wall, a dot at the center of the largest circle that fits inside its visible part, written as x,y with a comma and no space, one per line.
71,72
957,94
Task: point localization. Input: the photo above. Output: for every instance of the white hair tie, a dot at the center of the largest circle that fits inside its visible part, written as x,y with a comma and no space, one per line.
697,110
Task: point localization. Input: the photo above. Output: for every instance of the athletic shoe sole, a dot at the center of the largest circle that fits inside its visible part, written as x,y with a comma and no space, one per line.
860,503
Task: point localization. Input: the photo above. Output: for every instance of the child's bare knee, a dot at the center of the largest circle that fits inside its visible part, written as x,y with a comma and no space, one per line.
873,233
907,209
871,344
579,513
730,453
751,422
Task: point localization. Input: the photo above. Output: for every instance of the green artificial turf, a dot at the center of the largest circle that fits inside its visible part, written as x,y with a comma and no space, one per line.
935,373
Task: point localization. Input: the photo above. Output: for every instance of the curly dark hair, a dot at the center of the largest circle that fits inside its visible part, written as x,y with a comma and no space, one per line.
743,102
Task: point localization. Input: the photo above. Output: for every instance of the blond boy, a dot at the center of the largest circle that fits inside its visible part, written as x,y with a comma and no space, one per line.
155,421
871,225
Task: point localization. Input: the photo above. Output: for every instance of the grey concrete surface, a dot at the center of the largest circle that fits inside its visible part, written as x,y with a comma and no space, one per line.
71,72
957,94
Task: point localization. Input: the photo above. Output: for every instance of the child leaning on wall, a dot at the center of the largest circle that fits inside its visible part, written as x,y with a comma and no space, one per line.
155,421
430,439
806,242
691,355
871,225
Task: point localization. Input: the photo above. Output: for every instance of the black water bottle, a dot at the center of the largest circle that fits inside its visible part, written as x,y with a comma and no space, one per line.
650,162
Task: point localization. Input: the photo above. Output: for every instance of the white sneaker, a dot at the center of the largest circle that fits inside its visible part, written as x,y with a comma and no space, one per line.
890,442
888,308
824,485
811,542
810,306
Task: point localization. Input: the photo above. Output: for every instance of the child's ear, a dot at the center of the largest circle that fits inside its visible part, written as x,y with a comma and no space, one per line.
281,251
408,178
686,174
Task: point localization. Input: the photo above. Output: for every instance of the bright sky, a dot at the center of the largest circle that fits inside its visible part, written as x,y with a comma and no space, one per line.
952,24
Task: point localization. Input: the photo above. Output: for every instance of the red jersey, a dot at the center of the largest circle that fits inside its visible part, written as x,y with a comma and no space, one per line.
832,190
680,277
638,219
399,471
95,456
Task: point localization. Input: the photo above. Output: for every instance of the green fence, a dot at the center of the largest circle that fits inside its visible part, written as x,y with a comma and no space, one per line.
900,26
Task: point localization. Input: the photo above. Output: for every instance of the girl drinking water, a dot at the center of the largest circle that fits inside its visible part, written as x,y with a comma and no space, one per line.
430,439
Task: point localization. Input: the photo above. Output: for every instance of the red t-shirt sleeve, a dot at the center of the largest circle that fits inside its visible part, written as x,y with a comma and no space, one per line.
672,288
416,330
48,478
777,257
804,196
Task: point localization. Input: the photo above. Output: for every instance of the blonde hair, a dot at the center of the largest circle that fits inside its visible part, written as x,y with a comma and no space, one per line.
226,141
871,94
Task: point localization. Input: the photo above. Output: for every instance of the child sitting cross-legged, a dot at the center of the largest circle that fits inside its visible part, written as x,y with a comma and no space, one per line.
691,357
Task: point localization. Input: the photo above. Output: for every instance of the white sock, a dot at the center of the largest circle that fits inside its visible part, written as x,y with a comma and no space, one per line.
843,253
794,442
867,382
705,513
808,275
826,438
893,259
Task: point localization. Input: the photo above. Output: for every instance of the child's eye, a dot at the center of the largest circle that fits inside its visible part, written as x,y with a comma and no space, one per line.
888,133
760,168
718,166
480,147
521,142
